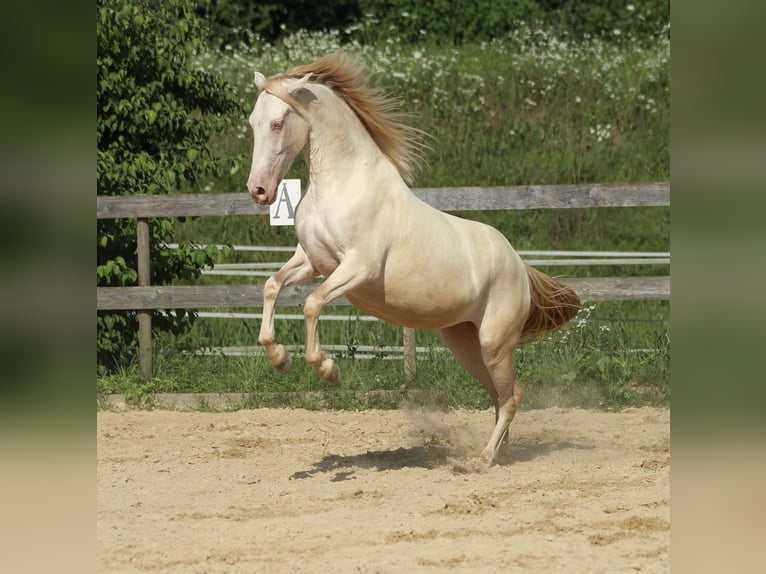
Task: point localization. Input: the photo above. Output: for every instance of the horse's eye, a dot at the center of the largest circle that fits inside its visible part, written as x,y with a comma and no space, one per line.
277,125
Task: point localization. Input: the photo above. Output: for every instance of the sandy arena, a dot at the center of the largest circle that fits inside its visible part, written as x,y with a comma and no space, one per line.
277,490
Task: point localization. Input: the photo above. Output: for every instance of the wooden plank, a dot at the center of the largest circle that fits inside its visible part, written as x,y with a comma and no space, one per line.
620,288
241,296
142,252
410,354
443,198
144,315
197,296
181,205
546,196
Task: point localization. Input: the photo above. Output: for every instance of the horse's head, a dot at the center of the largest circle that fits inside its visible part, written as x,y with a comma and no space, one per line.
279,133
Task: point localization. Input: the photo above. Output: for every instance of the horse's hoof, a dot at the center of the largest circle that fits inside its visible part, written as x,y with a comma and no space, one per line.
488,457
281,359
334,377
330,372
285,365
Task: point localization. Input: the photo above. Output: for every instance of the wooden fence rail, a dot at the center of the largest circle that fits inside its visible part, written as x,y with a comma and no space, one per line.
241,296
443,198
144,298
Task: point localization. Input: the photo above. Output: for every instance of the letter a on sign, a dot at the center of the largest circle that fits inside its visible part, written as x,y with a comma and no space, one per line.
282,211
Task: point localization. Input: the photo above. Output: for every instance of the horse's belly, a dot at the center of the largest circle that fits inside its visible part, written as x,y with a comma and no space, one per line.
431,311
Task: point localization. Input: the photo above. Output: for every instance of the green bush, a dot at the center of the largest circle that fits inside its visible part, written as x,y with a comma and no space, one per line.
608,19
156,112
449,21
235,21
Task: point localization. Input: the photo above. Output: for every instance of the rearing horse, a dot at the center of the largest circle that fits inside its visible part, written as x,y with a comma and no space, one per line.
377,244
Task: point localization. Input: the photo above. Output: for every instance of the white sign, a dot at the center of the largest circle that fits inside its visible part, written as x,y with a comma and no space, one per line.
282,211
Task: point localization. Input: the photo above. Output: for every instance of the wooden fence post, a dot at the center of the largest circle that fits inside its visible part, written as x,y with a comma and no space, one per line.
410,354
144,315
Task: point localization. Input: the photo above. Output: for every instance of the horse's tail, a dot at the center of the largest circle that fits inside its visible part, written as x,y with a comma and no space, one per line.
553,304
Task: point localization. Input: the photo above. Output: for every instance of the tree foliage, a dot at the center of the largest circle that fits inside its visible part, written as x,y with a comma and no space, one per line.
640,19
233,21
435,21
450,21
156,113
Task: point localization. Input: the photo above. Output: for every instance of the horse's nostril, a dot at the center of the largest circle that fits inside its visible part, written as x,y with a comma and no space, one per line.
259,194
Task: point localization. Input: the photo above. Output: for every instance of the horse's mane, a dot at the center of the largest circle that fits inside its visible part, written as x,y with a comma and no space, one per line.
378,112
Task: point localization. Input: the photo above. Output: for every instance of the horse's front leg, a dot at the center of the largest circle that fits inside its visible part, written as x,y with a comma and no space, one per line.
350,274
296,270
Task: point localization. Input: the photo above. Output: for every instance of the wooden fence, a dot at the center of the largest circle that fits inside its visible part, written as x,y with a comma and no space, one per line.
145,297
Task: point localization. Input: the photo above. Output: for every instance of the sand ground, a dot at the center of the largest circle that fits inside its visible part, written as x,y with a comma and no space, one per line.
277,490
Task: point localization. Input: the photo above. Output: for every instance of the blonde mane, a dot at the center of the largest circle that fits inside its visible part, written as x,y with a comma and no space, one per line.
378,112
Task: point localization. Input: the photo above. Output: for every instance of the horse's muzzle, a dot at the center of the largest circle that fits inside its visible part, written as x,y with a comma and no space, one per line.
259,195
263,191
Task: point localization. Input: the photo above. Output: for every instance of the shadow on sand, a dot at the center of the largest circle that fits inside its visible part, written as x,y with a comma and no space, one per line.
413,457
427,457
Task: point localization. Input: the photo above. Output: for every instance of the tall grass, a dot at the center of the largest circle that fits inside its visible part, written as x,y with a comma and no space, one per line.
529,108
602,359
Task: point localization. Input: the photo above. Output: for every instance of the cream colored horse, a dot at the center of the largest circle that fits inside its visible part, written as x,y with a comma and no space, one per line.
385,250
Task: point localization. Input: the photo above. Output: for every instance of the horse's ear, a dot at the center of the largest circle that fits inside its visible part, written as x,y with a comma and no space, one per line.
260,80
296,84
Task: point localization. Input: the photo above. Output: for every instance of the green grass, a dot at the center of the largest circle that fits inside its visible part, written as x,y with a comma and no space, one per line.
524,109
609,361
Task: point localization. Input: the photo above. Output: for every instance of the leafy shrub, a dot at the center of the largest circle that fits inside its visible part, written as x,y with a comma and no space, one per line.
234,21
608,19
156,112
449,21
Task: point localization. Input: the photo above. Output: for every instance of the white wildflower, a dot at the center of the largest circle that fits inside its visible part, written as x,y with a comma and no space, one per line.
602,133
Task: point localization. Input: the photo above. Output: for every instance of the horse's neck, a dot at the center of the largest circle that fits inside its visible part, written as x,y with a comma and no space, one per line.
340,153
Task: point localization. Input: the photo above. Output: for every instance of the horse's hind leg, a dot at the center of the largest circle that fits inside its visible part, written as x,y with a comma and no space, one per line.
463,340
498,345
509,397
296,270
